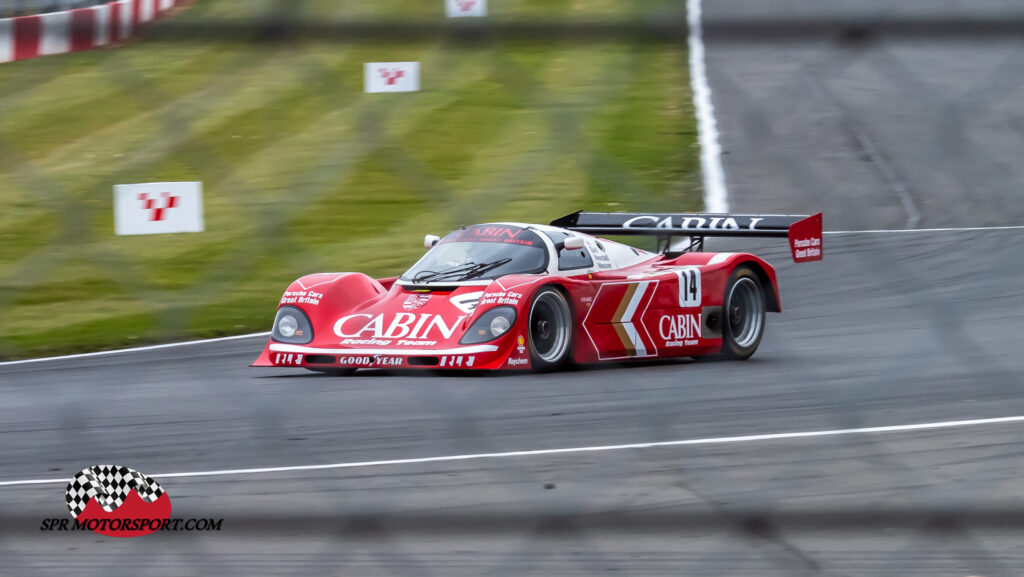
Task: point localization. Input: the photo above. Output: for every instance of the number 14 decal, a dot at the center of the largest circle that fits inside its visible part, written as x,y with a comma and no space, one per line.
689,287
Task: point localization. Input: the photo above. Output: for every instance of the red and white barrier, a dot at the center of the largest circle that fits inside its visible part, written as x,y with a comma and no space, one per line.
28,37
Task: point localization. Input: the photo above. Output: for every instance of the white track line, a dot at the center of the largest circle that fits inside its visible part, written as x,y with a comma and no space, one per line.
254,335
133,350
543,452
716,197
905,230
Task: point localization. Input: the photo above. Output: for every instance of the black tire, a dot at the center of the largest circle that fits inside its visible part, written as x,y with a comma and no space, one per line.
743,314
550,326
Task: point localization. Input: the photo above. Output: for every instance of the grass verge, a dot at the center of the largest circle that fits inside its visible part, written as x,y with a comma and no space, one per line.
302,171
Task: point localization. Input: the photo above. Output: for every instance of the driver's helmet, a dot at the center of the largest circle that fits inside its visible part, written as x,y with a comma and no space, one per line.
458,253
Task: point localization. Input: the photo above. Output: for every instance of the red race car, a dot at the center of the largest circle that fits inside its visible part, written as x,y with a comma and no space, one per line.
524,296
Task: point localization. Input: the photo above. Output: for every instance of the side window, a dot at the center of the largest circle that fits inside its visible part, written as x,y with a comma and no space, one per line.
570,259
574,259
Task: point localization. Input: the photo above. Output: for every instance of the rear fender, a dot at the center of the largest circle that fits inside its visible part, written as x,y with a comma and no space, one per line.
714,284
766,274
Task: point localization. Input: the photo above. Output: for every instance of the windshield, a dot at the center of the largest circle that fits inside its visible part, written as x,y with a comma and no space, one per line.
481,252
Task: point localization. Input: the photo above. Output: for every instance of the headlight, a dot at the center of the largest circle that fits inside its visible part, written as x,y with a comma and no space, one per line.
287,326
500,325
490,325
292,326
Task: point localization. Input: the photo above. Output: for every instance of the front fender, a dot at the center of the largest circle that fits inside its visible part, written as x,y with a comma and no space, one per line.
330,294
519,291
325,297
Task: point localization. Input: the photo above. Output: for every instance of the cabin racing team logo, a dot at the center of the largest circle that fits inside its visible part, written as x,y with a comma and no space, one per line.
121,502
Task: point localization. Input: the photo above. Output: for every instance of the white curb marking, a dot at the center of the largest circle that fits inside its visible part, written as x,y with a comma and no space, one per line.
716,198
134,350
542,452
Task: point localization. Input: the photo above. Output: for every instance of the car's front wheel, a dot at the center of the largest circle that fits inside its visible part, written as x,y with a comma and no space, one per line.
744,314
550,330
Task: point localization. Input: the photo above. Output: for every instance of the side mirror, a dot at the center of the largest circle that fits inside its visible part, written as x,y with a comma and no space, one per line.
573,243
430,240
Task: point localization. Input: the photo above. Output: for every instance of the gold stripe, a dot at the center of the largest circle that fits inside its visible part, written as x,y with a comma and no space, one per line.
617,320
624,337
624,304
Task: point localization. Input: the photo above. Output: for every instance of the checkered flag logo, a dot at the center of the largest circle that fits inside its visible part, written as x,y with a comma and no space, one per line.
109,485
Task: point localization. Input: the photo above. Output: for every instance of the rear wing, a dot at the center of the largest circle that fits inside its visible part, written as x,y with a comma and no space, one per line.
803,232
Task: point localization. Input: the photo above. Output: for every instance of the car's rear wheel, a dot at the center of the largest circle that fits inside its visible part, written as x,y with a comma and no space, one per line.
550,330
743,310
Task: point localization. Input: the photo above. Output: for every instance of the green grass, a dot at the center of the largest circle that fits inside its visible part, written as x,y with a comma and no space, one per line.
302,171
591,10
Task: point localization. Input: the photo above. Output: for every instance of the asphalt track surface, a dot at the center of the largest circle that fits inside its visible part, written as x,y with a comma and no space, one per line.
890,329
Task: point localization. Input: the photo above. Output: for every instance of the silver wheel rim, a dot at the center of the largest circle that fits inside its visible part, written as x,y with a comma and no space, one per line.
549,327
746,312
